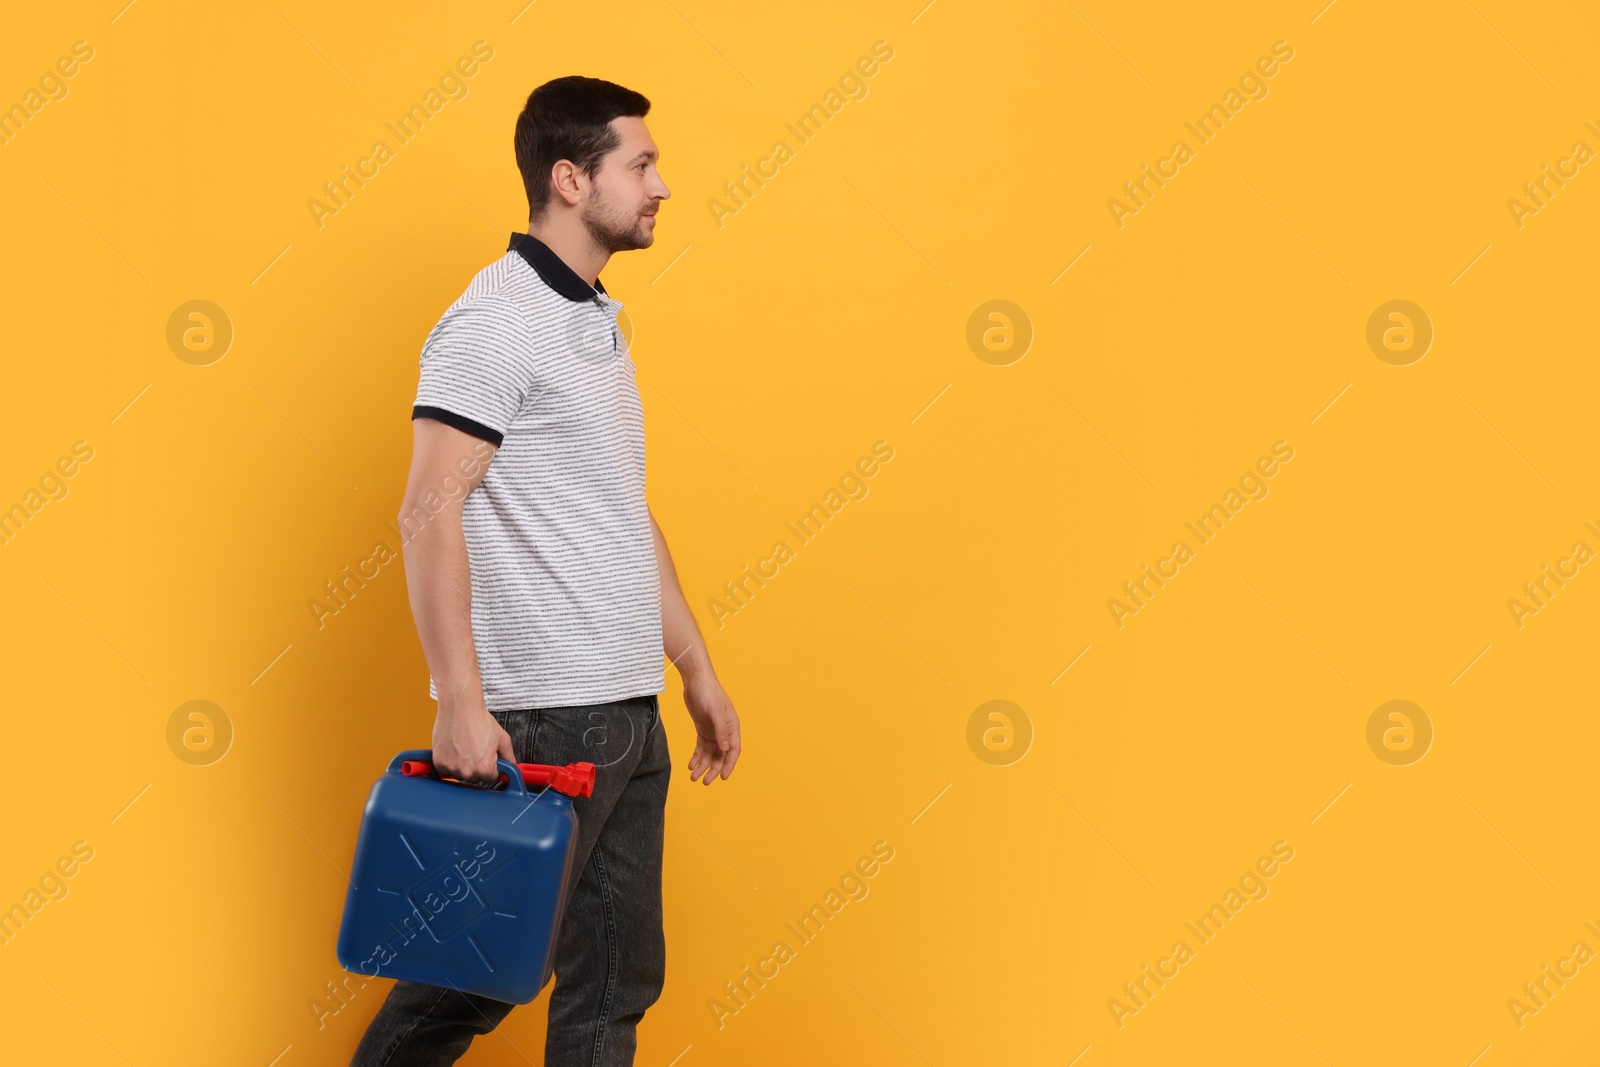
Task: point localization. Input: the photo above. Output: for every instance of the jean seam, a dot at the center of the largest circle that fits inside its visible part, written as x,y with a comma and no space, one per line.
611,955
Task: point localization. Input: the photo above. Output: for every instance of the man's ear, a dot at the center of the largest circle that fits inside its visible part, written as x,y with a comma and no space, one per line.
565,170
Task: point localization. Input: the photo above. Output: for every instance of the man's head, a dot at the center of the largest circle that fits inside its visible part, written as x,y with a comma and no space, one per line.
583,148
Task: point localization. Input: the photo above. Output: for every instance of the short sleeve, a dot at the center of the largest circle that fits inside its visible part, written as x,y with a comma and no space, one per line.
475,368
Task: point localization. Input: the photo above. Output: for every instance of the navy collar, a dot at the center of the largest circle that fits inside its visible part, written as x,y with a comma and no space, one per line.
556,274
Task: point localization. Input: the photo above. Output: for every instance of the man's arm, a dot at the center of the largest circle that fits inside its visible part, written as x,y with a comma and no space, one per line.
715,721
446,466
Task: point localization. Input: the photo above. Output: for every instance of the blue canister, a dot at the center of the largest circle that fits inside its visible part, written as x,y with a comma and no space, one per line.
459,886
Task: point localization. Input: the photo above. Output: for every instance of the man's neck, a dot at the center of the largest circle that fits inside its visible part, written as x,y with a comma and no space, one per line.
570,241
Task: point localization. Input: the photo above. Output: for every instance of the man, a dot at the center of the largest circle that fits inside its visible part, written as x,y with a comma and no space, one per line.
543,591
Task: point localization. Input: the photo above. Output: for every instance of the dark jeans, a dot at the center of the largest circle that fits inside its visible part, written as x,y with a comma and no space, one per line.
610,957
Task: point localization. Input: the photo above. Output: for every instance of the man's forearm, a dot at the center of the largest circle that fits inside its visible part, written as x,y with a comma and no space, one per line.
439,581
680,635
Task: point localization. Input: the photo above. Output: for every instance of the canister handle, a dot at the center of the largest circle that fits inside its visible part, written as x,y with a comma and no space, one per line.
417,762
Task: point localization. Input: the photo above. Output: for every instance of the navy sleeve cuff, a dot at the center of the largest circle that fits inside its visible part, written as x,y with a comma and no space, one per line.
459,422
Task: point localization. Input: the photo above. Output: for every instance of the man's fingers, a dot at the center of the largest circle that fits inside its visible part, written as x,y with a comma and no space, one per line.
725,765
728,735
705,762
718,767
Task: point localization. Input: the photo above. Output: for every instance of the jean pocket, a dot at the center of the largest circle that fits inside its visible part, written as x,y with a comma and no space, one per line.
521,726
654,715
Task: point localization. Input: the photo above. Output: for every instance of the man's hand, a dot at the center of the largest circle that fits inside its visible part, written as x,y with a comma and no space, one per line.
466,742
717,725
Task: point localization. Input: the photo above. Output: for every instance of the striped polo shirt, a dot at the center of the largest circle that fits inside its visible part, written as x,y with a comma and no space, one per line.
566,597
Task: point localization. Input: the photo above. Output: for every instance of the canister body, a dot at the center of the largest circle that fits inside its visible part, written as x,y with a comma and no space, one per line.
458,887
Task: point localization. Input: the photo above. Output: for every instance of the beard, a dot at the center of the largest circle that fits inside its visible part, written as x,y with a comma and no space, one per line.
615,229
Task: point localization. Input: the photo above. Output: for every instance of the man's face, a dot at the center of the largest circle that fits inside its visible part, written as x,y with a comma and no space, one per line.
621,212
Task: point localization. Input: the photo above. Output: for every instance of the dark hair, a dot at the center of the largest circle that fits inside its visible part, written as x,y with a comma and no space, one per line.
569,118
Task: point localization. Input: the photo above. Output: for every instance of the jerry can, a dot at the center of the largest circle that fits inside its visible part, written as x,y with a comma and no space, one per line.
459,886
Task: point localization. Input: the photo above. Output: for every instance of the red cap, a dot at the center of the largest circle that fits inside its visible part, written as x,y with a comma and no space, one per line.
574,780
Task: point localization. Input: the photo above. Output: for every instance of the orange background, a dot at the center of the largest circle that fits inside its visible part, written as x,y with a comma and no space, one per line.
1040,860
